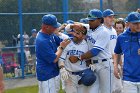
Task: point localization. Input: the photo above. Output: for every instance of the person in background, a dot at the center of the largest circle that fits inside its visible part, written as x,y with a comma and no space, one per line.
119,26
26,38
32,41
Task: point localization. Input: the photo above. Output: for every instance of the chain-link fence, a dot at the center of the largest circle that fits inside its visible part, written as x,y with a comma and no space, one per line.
32,12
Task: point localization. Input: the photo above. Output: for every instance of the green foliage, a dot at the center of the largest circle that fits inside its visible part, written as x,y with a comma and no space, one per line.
29,89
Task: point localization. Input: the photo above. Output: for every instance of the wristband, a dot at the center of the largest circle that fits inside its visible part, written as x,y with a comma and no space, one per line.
61,47
79,58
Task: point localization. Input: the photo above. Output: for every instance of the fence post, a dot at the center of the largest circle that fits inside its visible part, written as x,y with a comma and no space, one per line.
21,36
65,10
101,5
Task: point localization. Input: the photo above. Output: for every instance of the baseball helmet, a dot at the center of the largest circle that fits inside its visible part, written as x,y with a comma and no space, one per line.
87,77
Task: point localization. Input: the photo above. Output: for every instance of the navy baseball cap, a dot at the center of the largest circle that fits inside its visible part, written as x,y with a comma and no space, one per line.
94,14
133,17
50,20
34,31
87,77
108,12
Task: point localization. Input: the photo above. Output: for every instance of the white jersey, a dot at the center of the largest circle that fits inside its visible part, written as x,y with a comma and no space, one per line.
99,39
76,50
113,39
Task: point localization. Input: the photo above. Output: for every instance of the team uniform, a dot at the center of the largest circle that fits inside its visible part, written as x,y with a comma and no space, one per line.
47,70
128,43
99,39
117,84
71,85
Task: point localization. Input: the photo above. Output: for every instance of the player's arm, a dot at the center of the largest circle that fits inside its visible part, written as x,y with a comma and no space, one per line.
99,46
63,44
117,72
63,72
117,58
1,81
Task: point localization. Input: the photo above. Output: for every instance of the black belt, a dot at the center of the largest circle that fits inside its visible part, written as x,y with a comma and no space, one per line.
97,61
77,73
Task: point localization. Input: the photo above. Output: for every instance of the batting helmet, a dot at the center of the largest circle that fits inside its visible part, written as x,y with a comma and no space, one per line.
87,77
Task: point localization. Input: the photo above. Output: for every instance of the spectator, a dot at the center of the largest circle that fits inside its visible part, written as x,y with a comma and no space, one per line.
14,40
32,41
26,38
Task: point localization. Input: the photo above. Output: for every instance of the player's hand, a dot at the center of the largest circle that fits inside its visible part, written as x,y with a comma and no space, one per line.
117,72
73,59
64,74
65,42
92,67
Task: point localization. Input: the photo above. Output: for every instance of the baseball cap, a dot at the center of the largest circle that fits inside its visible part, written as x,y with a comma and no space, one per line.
94,14
87,77
50,20
70,22
34,31
133,17
84,20
108,12
126,19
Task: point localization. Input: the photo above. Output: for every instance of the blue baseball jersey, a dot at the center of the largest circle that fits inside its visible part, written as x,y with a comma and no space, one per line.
128,43
46,46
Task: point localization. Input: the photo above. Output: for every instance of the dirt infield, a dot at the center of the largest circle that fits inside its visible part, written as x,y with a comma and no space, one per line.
14,83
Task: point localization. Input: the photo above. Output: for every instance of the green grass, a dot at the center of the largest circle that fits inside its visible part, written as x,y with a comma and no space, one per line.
29,89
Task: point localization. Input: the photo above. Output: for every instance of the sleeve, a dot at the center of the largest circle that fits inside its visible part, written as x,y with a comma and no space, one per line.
118,49
95,51
57,40
45,51
63,55
102,40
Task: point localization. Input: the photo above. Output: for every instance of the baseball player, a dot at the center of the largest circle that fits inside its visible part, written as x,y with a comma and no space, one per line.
70,71
98,39
108,16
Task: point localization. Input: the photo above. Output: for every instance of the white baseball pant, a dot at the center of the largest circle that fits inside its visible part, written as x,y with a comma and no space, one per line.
131,87
48,86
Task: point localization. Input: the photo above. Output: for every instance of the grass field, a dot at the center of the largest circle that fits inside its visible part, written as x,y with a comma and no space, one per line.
30,89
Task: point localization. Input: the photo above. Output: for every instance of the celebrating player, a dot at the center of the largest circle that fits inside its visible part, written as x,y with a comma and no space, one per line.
98,40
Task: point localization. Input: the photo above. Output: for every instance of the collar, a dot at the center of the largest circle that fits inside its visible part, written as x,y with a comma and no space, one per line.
107,27
96,28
